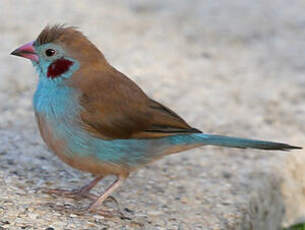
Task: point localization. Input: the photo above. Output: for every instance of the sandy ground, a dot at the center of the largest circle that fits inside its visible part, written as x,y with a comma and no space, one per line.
228,68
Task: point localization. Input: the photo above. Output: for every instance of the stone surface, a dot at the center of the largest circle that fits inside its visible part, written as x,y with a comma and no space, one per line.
228,67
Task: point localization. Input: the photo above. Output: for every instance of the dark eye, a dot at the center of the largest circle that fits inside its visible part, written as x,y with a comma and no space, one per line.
50,52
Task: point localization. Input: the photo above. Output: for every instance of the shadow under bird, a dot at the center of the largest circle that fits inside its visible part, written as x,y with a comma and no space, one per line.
97,120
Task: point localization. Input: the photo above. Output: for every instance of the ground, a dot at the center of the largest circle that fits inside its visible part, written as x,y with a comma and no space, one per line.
234,68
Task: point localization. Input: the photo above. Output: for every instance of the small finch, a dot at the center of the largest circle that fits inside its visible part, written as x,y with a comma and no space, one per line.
97,120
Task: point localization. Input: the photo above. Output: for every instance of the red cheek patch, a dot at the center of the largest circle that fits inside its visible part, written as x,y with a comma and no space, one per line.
58,67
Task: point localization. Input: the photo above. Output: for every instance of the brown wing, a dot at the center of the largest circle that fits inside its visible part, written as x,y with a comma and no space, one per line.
116,108
165,122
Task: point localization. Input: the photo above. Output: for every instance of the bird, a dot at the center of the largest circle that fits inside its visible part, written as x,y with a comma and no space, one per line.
97,120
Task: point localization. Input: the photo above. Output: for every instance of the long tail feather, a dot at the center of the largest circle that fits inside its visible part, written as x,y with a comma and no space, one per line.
236,142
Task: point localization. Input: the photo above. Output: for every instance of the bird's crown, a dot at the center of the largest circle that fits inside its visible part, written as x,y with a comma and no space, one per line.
61,49
52,33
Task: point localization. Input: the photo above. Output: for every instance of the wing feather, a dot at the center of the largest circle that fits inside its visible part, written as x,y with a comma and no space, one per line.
114,107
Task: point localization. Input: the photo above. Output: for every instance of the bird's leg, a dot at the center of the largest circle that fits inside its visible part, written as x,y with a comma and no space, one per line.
83,192
99,201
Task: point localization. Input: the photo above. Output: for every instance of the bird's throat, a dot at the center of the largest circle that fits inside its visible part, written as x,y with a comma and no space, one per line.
58,67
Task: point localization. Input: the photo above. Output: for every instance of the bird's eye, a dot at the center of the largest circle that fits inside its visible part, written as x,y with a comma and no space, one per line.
50,52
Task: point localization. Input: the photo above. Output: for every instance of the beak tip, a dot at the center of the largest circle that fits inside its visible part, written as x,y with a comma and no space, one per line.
26,51
13,53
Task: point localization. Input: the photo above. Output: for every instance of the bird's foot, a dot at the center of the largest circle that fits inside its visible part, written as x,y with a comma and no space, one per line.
102,211
76,194
105,210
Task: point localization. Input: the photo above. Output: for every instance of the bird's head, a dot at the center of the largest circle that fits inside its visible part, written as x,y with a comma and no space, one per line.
59,51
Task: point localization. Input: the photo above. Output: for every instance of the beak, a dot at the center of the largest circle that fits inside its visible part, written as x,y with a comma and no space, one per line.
26,51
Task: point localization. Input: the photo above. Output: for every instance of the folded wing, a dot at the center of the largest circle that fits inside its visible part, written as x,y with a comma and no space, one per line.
114,107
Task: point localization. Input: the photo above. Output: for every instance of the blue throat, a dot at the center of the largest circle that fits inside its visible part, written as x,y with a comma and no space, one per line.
52,97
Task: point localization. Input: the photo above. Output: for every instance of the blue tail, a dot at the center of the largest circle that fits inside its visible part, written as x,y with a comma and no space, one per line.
236,142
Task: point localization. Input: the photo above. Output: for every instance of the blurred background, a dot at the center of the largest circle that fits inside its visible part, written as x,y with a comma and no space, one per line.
228,67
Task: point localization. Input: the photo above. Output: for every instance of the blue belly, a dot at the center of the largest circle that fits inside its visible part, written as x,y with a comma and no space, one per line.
60,110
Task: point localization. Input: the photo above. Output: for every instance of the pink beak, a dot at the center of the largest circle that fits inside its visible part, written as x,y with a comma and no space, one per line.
27,51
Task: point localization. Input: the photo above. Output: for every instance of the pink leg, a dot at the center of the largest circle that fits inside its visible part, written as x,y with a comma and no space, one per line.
99,201
90,186
83,192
